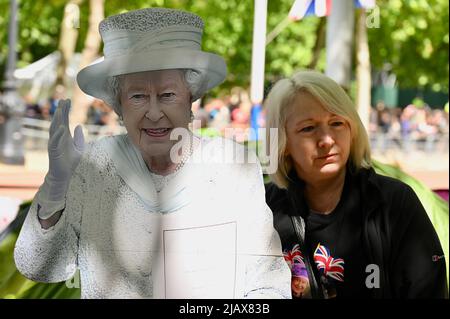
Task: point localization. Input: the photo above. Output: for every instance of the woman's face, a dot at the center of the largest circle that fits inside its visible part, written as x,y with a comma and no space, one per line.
153,104
317,141
299,286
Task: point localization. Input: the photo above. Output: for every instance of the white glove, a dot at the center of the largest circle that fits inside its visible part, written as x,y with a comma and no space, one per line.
64,154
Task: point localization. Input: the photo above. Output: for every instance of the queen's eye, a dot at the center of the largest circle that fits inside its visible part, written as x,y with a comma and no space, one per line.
138,96
167,95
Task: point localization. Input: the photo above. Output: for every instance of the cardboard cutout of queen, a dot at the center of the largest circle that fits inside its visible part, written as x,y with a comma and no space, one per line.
157,212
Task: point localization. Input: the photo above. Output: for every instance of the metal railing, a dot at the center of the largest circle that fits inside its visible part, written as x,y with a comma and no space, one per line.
410,143
36,132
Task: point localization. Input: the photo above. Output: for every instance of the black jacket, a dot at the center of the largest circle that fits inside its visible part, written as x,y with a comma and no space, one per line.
397,234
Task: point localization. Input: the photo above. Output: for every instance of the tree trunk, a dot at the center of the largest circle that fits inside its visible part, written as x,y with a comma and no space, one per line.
81,102
339,42
363,72
319,44
68,38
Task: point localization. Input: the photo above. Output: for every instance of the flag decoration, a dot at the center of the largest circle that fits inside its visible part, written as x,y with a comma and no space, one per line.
327,265
304,8
365,4
293,256
320,8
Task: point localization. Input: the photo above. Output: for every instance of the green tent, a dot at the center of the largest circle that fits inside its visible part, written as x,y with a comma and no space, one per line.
13,284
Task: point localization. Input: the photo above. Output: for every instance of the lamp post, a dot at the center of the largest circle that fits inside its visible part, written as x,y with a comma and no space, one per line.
258,60
12,106
339,42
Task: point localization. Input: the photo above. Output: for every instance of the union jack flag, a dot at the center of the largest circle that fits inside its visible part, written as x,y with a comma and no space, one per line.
327,265
303,8
366,4
320,8
292,256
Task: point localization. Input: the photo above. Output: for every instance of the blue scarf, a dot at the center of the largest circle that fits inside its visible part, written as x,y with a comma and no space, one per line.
132,169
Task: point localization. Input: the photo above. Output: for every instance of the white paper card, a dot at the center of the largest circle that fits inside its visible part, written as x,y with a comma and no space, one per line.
200,262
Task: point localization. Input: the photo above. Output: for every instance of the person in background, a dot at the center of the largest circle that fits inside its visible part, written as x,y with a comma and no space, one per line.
32,108
58,95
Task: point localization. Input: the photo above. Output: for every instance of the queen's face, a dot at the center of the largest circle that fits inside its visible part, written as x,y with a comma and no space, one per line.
153,104
317,141
299,286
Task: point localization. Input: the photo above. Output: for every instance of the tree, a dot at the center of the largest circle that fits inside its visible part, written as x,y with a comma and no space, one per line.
299,46
80,102
363,74
319,43
37,37
413,38
68,37
228,32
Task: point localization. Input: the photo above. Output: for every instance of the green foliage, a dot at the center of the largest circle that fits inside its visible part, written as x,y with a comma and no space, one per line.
13,285
413,37
228,32
418,102
232,20
39,24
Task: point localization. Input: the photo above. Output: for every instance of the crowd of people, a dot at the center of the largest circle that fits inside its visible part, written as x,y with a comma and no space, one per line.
99,112
408,128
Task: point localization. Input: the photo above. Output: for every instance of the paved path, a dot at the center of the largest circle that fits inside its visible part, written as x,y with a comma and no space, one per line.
20,185
430,168
22,181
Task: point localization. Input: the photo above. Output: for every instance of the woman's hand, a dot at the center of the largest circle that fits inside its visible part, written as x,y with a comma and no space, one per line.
64,153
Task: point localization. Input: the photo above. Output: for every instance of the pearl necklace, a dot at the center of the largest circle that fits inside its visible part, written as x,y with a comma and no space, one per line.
162,180
186,155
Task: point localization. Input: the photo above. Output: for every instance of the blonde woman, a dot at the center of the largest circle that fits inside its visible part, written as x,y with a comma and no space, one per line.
358,234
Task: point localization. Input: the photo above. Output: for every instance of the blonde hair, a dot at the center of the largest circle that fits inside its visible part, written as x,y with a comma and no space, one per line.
334,100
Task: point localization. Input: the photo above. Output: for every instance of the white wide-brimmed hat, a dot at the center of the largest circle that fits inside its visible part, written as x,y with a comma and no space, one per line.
148,40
